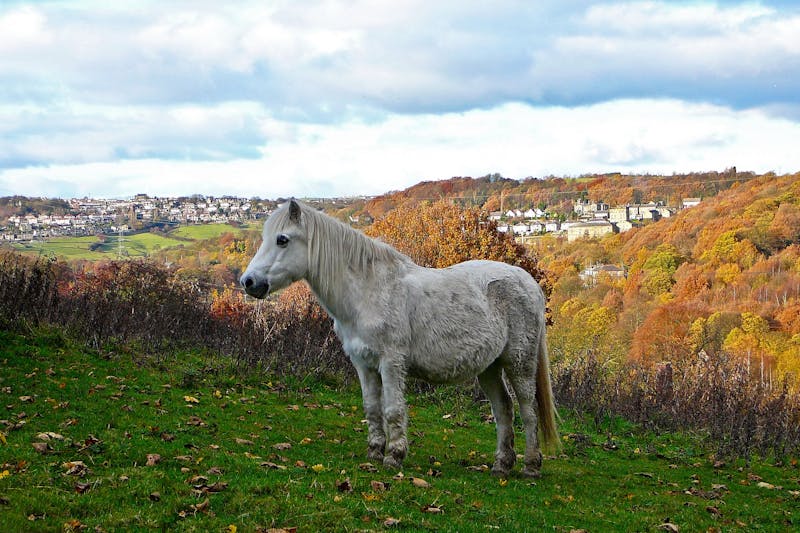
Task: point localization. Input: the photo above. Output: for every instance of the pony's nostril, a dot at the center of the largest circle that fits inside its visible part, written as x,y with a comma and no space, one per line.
248,282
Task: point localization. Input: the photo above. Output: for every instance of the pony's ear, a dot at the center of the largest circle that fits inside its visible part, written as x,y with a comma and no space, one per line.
294,211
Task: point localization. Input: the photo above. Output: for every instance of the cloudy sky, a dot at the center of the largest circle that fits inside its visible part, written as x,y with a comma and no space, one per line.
346,97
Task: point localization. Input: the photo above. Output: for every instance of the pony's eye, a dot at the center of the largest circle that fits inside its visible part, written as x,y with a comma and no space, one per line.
282,240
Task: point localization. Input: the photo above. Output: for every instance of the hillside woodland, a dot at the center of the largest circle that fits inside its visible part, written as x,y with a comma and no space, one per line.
721,279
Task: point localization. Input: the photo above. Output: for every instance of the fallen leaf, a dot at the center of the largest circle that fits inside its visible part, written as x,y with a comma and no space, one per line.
344,486
82,488
153,459
155,496
713,510
26,399
432,509
668,526
41,447
367,467
377,486
74,525
190,399
75,468
421,483
49,435
196,421
281,446
306,440
202,506
3,438
765,485
231,529
273,466
214,471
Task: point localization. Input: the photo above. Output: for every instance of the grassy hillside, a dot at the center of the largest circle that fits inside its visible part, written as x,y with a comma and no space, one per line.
201,232
119,441
133,245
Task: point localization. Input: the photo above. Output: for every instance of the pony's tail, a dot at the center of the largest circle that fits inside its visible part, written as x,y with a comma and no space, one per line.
548,415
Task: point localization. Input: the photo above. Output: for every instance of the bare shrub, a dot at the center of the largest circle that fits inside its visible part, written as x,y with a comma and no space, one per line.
741,415
159,310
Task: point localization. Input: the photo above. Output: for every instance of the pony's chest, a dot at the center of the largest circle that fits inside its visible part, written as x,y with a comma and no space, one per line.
357,349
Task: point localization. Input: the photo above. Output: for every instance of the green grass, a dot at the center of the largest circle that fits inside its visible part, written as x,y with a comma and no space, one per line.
66,247
134,245
112,408
203,232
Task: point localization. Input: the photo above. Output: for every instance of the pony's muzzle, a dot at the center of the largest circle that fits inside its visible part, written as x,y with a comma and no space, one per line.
253,287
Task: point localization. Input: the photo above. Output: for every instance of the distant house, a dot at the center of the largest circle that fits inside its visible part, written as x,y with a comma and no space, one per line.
624,225
513,213
520,228
647,211
495,215
591,274
618,214
690,202
588,230
533,213
587,208
551,226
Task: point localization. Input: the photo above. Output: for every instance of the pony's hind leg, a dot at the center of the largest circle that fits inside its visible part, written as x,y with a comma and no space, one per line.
524,384
491,381
373,411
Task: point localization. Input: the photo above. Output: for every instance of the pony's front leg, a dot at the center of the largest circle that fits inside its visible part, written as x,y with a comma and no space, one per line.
373,411
395,414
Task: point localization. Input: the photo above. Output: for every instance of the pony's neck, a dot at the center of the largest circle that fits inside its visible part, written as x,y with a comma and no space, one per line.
343,260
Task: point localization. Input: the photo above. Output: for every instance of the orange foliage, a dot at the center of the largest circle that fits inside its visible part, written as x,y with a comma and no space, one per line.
664,334
440,234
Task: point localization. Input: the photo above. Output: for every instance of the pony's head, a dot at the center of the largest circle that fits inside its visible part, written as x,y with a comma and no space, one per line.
283,256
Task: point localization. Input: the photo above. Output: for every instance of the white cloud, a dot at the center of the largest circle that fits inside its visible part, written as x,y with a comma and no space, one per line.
353,96
22,28
517,140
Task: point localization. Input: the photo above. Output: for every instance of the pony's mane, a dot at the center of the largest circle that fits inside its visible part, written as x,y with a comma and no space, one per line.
334,247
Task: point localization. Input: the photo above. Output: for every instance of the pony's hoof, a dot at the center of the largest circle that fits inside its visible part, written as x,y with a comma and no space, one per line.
531,473
499,472
392,463
375,454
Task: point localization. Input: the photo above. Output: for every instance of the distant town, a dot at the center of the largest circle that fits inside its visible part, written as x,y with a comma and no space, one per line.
90,216
590,219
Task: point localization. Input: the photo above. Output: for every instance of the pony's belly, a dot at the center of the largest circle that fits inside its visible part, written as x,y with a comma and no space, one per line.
450,369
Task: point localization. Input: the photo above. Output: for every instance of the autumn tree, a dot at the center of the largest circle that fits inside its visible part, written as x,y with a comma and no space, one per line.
439,234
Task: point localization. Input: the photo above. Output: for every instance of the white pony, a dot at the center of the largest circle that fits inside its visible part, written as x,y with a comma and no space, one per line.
396,318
